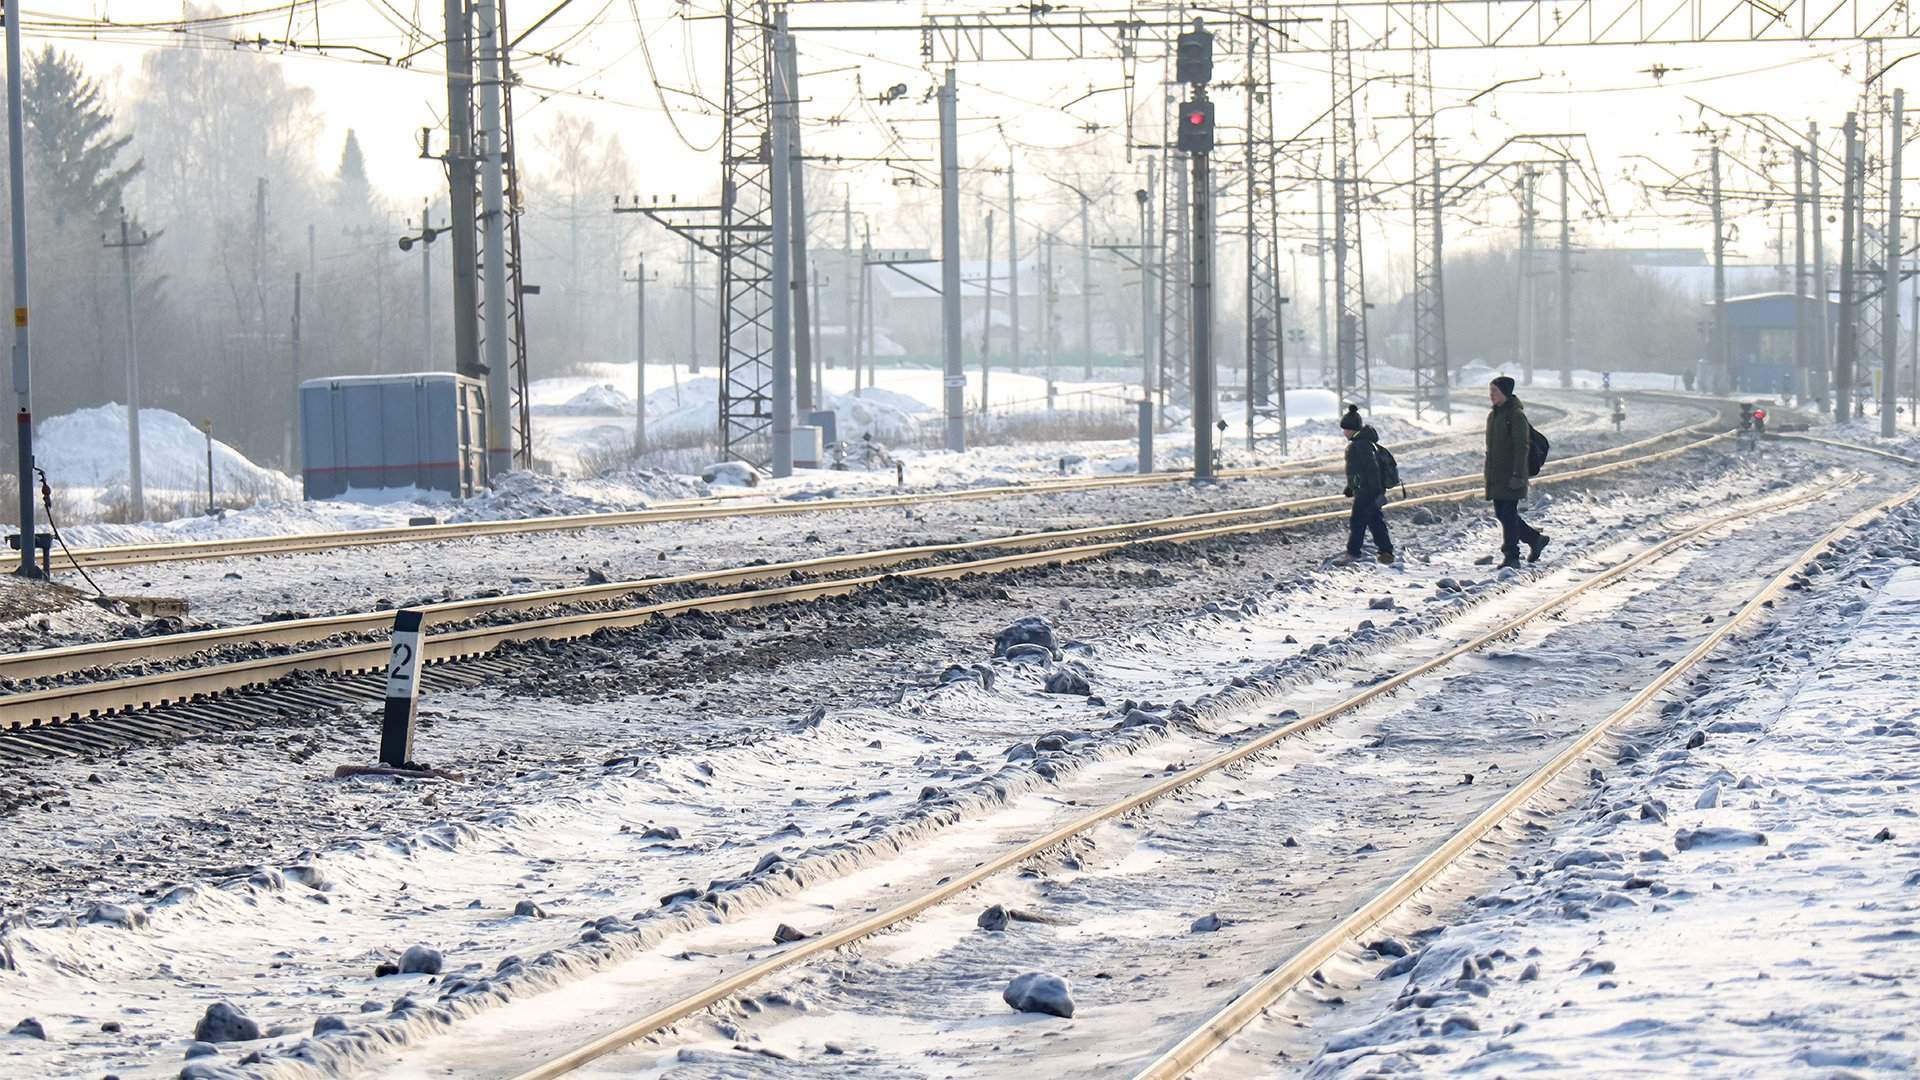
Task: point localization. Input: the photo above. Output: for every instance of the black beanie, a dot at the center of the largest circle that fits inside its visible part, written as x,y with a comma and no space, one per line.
1351,421
1505,383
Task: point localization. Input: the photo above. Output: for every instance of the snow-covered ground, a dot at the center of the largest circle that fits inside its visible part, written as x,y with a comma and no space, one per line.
239,871
1732,893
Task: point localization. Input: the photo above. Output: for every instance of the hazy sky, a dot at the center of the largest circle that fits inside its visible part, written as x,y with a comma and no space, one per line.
628,64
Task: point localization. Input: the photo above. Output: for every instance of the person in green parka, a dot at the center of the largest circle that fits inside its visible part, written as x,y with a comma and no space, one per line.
1507,432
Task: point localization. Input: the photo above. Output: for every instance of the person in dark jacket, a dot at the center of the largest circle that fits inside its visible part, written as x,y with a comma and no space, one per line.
1507,450
1366,490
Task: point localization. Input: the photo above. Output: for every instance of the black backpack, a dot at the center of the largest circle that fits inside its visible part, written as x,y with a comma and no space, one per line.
1389,468
1537,447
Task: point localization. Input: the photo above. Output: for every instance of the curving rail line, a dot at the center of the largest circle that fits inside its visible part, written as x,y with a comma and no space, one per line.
78,701
658,1021
1219,1029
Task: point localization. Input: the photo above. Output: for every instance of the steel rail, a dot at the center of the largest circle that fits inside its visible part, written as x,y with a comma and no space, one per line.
41,663
660,1019
700,509
1205,1040
79,701
1840,445
682,510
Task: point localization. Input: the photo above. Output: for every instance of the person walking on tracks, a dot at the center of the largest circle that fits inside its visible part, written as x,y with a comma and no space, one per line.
1509,450
1367,484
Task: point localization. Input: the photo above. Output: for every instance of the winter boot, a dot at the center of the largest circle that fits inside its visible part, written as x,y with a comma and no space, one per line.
1538,545
1509,562
1385,558
1345,558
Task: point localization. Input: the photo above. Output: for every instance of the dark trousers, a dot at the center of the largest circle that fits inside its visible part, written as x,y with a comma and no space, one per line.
1513,531
1367,515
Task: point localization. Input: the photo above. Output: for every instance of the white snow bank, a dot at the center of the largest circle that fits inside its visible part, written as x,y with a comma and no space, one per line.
88,450
603,399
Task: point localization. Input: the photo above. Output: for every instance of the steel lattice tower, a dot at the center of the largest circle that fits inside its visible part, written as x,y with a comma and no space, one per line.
1870,267
1354,374
746,236
1176,266
1430,370
1266,374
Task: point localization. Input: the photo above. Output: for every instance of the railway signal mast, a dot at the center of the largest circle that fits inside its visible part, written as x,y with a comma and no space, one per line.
1194,67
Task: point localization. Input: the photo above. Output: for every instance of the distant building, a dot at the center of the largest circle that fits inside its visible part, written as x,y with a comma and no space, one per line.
1762,329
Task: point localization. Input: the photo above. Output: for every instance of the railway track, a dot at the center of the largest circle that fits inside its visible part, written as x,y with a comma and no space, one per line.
1209,1038
1177,1061
709,509
119,710
706,509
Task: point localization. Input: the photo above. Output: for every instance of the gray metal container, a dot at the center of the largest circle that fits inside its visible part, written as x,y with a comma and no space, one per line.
426,430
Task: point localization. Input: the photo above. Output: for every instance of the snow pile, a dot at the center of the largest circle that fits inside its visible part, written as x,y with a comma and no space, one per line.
885,416
520,495
88,450
602,400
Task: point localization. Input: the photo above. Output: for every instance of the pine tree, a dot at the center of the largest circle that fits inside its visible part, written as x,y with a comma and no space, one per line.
70,136
352,191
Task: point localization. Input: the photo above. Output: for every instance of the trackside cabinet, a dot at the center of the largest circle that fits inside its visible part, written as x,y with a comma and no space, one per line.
385,433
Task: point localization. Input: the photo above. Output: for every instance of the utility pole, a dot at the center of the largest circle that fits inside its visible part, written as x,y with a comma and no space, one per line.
866,307
1801,358
956,380
1086,289
293,437
460,189
986,324
1144,197
1525,287
428,234
1203,372
1722,347
493,214
1320,253
260,288
639,280
1013,271
693,310
1824,340
803,314
1843,362
846,277
1566,280
135,484
780,196
1046,307
1890,289
814,281
17,189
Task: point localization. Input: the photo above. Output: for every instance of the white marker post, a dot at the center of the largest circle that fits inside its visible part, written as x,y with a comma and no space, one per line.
403,690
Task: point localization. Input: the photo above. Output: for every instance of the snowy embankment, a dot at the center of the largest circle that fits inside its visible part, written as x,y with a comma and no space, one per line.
1735,892
84,455
597,792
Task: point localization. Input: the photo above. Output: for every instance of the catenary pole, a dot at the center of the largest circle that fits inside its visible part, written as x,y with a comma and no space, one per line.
1823,323
136,484
1566,280
1086,289
782,243
1722,382
493,213
461,207
798,263
1013,275
1802,358
986,324
1890,287
1848,339
956,379
1203,369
